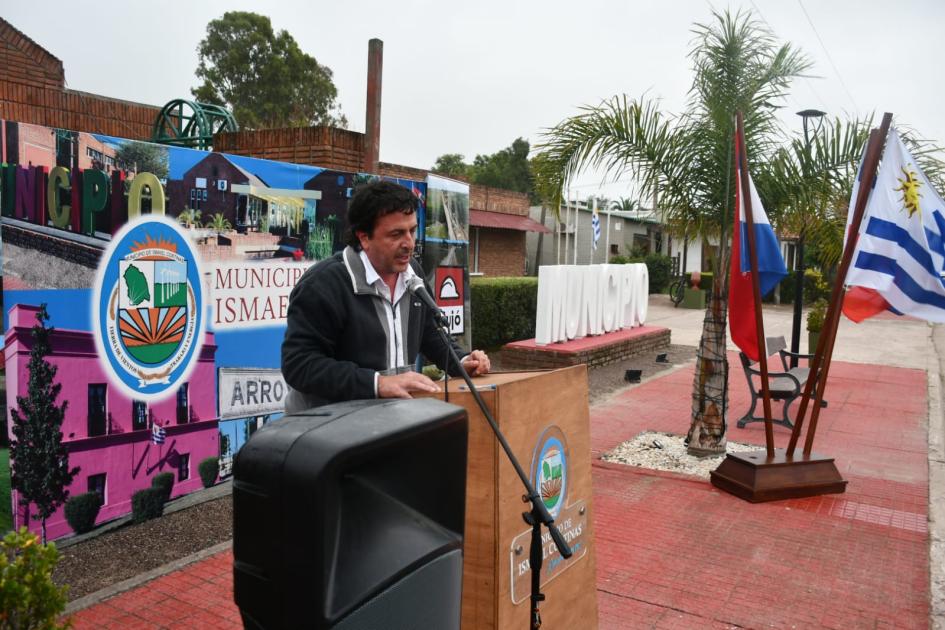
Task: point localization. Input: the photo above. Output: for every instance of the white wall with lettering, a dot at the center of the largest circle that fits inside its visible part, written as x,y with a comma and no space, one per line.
579,300
246,392
252,294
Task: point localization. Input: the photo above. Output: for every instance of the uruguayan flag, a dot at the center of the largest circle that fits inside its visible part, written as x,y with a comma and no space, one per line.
595,223
771,267
900,252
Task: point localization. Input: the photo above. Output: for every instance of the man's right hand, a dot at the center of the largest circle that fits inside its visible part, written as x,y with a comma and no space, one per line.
400,385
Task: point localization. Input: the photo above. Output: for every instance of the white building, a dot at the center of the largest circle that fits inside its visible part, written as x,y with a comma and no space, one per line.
571,238
638,230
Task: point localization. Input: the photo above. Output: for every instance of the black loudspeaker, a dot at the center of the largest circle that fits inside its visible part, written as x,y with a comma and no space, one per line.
351,516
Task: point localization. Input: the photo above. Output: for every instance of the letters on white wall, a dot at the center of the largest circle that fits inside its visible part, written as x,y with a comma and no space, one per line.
580,300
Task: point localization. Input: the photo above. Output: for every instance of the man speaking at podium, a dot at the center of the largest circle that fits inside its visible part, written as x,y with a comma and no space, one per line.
353,328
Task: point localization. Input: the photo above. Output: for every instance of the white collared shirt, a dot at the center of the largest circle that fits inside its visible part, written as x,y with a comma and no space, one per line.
396,350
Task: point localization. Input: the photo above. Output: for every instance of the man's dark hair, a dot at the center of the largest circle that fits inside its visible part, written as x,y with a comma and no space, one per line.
374,200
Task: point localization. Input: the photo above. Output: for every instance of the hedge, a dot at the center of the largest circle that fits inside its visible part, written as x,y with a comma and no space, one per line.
82,510
503,310
147,504
816,287
208,469
165,482
659,269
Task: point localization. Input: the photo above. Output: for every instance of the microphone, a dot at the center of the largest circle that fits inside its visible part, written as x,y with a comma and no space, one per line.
416,288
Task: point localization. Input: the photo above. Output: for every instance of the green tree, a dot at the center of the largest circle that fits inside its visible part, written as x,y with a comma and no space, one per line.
263,76
142,157
451,165
39,459
807,184
737,66
508,168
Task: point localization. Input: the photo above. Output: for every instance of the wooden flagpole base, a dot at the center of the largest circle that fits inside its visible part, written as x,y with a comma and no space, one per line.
755,478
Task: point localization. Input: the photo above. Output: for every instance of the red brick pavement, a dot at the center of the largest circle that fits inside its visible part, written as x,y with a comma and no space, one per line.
674,552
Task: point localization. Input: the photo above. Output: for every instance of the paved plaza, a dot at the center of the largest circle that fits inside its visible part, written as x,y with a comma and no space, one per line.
674,552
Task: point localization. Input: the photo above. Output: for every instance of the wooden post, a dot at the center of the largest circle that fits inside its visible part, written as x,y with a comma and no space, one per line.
820,365
755,283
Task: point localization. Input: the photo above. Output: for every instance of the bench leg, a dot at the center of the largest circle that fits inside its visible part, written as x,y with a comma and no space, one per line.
786,421
750,415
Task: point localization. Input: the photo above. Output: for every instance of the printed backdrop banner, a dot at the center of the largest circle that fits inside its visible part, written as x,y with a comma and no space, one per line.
446,235
166,274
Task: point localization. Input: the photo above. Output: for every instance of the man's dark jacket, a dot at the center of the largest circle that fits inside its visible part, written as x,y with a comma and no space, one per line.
337,337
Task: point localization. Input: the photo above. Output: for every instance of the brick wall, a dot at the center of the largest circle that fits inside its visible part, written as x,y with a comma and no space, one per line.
498,200
63,248
326,147
211,250
403,172
23,61
501,252
549,357
32,83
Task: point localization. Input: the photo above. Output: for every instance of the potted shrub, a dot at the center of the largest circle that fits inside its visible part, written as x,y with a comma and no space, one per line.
815,323
694,295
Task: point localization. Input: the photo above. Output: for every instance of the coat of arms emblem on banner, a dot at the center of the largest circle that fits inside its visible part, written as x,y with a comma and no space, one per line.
149,308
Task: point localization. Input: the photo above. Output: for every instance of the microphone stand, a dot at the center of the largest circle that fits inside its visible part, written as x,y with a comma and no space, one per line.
539,514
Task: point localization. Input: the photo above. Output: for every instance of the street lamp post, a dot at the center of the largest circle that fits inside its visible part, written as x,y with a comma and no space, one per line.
805,115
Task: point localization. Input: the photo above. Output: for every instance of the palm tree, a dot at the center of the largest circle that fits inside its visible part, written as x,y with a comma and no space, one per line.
625,204
189,217
807,185
688,159
219,223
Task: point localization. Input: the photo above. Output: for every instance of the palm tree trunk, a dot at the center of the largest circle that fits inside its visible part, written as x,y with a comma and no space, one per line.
710,383
43,520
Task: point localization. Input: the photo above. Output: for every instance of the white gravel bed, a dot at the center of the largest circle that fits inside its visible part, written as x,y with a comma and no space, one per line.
666,451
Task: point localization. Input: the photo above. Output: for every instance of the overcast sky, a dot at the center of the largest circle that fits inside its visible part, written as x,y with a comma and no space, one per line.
470,77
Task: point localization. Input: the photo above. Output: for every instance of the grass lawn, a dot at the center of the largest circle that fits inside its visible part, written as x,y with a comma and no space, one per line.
6,509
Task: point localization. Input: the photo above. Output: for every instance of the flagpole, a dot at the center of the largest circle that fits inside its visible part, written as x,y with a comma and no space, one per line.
607,240
755,285
825,344
567,227
558,235
577,223
593,232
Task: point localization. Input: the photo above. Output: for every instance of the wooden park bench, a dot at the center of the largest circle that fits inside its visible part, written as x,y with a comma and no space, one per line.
786,386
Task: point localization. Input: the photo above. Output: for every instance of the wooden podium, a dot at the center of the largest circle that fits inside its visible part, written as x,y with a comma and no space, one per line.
544,416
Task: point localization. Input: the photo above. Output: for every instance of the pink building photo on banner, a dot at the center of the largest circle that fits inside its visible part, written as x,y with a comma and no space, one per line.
109,435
